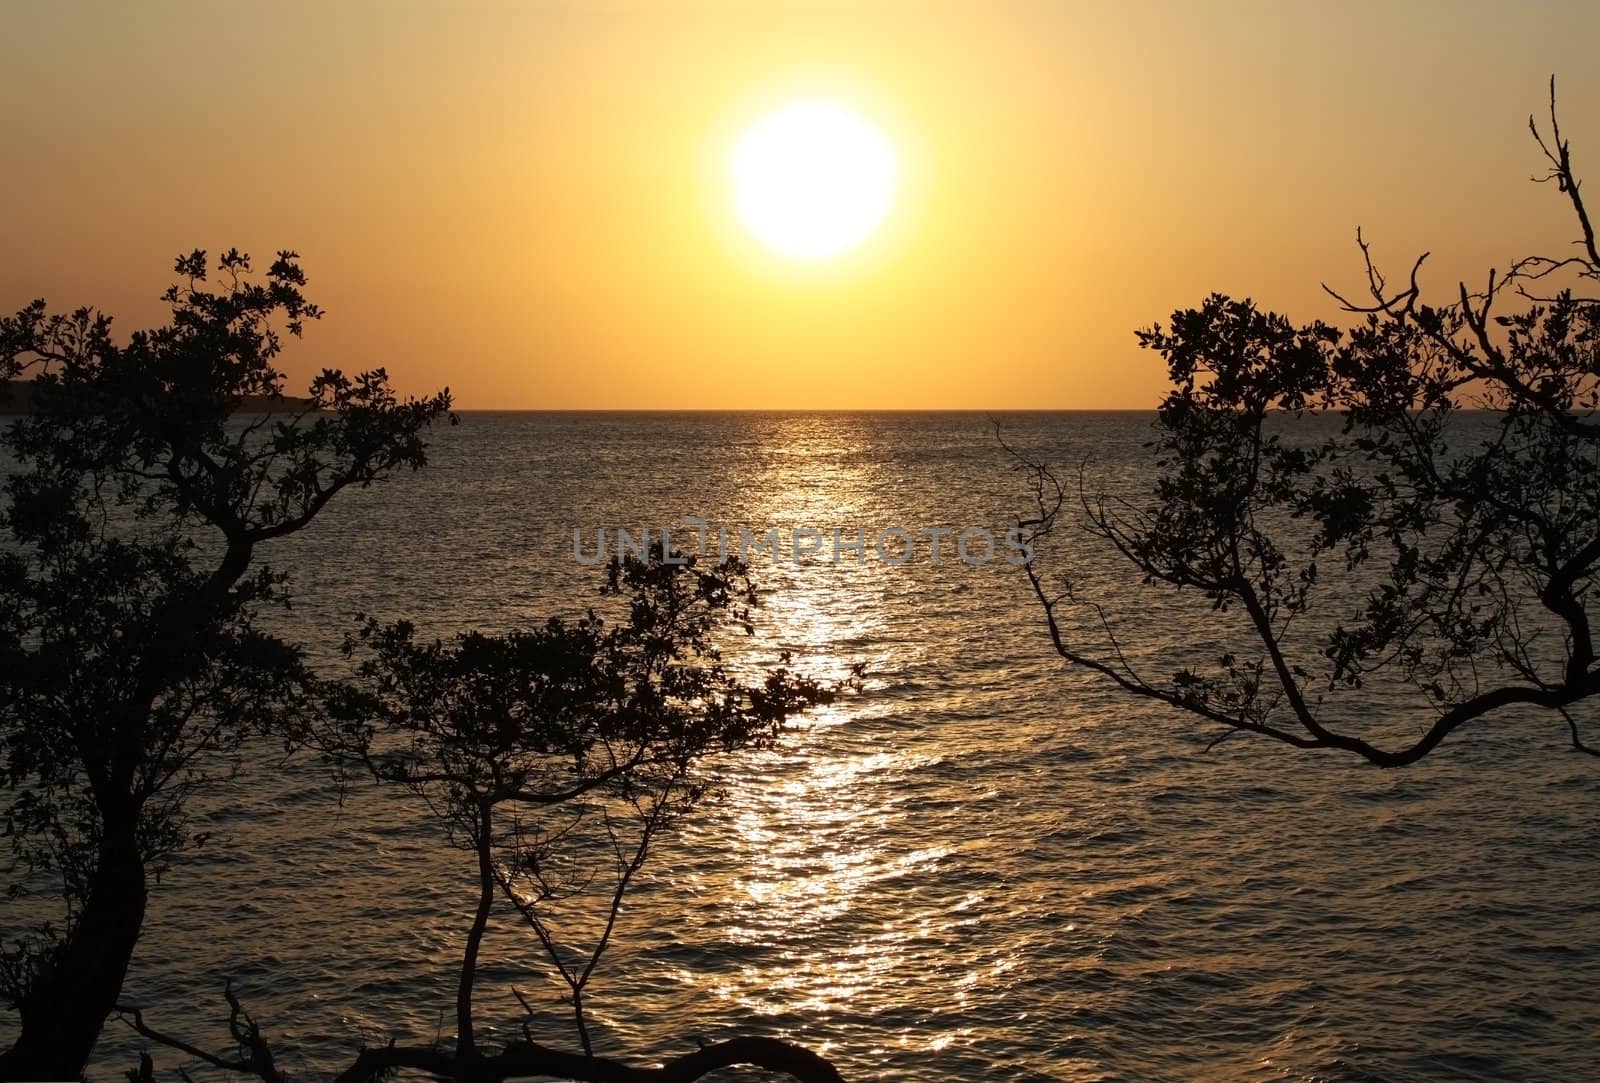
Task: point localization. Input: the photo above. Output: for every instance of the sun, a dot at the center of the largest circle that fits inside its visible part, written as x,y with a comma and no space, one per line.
813,179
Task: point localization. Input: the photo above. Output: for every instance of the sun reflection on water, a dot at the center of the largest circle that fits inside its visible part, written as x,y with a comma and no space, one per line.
806,898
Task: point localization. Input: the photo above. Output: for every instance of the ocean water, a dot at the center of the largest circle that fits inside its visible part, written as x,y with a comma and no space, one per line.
984,866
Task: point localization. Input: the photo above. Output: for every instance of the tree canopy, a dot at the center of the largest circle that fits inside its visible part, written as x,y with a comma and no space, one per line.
1459,493
133,669
556,755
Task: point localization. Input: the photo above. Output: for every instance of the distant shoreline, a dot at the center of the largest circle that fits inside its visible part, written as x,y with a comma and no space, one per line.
16,400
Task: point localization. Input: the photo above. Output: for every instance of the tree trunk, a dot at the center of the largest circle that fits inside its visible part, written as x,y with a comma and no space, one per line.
64,1010
483,840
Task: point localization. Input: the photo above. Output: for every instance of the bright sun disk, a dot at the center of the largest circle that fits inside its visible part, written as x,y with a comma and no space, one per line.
812,179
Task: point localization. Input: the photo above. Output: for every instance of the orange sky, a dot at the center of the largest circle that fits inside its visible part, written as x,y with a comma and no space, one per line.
529,203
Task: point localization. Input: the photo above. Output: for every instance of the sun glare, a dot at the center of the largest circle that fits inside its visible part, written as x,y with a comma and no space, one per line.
812,179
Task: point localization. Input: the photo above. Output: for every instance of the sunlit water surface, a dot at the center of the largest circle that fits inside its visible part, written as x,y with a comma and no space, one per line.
982,867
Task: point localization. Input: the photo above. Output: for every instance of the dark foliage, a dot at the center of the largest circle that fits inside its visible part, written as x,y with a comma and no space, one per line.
555,756
132,669
1479,555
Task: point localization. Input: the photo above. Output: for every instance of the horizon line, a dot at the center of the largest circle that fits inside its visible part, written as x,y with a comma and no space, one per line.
802,410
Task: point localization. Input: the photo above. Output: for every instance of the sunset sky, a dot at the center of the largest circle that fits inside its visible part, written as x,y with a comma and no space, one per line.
531,202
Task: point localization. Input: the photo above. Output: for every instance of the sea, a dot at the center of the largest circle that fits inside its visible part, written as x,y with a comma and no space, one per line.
983,865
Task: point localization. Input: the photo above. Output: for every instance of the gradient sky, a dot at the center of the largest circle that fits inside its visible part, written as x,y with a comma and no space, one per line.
528,202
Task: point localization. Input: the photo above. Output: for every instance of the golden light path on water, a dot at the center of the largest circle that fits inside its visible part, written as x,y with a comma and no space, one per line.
814,842
785,885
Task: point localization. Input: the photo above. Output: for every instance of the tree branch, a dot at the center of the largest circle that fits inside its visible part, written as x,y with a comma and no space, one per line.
526,1060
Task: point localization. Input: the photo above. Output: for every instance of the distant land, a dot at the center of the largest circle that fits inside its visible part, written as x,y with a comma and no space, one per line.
16,397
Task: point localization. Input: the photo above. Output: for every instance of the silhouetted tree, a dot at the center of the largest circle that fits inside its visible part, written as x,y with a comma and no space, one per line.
132,670
555,756
1475,555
